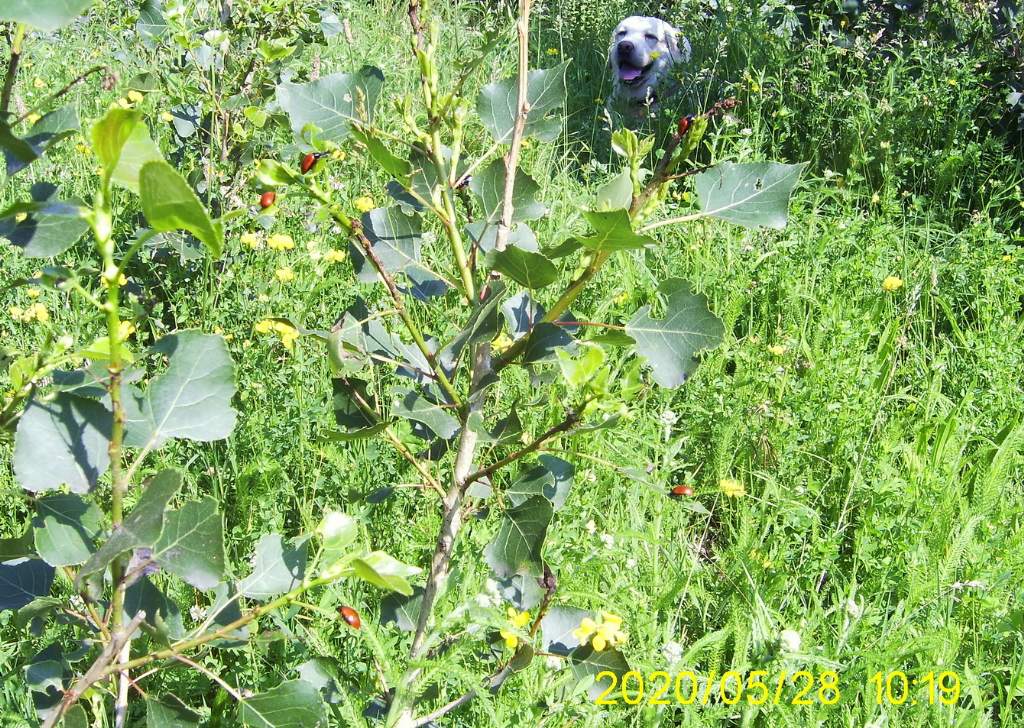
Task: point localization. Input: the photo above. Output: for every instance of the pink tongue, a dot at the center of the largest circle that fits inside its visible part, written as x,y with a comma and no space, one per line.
629,74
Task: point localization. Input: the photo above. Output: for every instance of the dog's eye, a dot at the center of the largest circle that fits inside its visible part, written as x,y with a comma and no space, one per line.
651,36
620,33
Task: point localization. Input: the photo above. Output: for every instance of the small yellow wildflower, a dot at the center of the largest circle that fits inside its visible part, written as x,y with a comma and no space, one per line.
283,329
554,52
38,82
20,217
264,327
605,631
517,620
17,313
334,256
501,344
32,293
338,155
33,118
364,203
124,103
285,275
621,298
1007,258
253,241
892,284
732,488
875,199
81,148
166,116
36,312
134,96
777,349
280,241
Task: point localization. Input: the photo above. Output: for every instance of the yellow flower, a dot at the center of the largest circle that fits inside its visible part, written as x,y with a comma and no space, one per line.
33,118
517,620
334,256
17,313
554,52
621,298
32,293
166,116
892,284
364,203
280,241
732,488
607,630
134,96
253,241
124,103
285,275
777,349
283,329
1007,258
501,344
38,82
264,327
338,155
875,199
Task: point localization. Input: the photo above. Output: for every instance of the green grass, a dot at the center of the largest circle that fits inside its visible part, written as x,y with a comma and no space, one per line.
877,435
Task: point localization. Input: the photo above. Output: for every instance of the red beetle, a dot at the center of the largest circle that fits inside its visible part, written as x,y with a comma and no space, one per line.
681,491
683,125
267,199
309,161
350,616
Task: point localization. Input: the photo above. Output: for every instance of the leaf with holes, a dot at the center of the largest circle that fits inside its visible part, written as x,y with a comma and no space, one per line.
517,546
331,103
190,400
498,104
65,527
669,344
752,195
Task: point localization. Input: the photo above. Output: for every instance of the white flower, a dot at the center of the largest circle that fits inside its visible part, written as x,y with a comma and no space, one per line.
852,608
630,563
196,612
668,417
591,527
553,662
672,652
608,540
789,640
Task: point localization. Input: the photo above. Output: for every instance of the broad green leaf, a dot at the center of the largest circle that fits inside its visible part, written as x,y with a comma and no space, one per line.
35,614
61,440
141,527
521,589
484,236
151,24
517,546
163,616
531,270
320,673
669,344
521,313
353,421
18,152
275,174
385,571
76,717
332,103
557,629
225,610
402,610
22,580
483,325
46,15
613,231
396,239
393,165
498,104
18,547
170,204
111,133
138,150
411,405
584,366
292,704
337,532
616,193
275,49
545,341
276,567
191,399
552,478
586,661
489,186
65,528
168,712
50,129
752,195
191,544
46,226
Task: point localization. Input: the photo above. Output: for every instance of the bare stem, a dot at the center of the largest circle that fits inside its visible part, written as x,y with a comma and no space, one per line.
12,71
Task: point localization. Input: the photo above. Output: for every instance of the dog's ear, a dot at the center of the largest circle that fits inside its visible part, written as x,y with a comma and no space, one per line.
678,46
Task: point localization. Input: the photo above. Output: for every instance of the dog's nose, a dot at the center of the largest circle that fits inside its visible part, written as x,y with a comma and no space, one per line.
626,46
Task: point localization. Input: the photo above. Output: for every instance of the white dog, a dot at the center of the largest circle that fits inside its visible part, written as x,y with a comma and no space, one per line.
642,51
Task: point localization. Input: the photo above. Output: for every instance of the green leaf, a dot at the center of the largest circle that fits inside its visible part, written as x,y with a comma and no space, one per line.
498,104
275,49
583,366
191,544
276,568
352,420
168,712
141,528
545,341
384,571
483,324
520,538
552,478
46,15
402,610
531,270
292,704
111,133
557,629
752,195
393,165
138,150
191,399
489,186
76,717
614,231
411,405
616,193
669,344
18,547
320,673
61,440
484,235
22,580
47,131
65,528
332,103
46,226
586,661
337,533
151,24
163,617
170,204
396,239
275,174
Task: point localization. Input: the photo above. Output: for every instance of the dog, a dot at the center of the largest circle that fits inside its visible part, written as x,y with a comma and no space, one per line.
642,51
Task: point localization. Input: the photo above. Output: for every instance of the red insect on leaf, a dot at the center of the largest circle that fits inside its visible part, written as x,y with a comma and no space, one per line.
350,616
683,125
681,491
267,199
309,161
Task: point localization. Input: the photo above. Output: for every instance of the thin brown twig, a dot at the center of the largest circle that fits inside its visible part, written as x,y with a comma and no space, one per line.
67,87
570,421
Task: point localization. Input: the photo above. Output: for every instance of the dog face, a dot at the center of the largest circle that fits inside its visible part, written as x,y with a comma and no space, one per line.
642,50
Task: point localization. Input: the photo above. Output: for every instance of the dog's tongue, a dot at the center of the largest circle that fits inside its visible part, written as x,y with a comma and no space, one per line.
629,74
